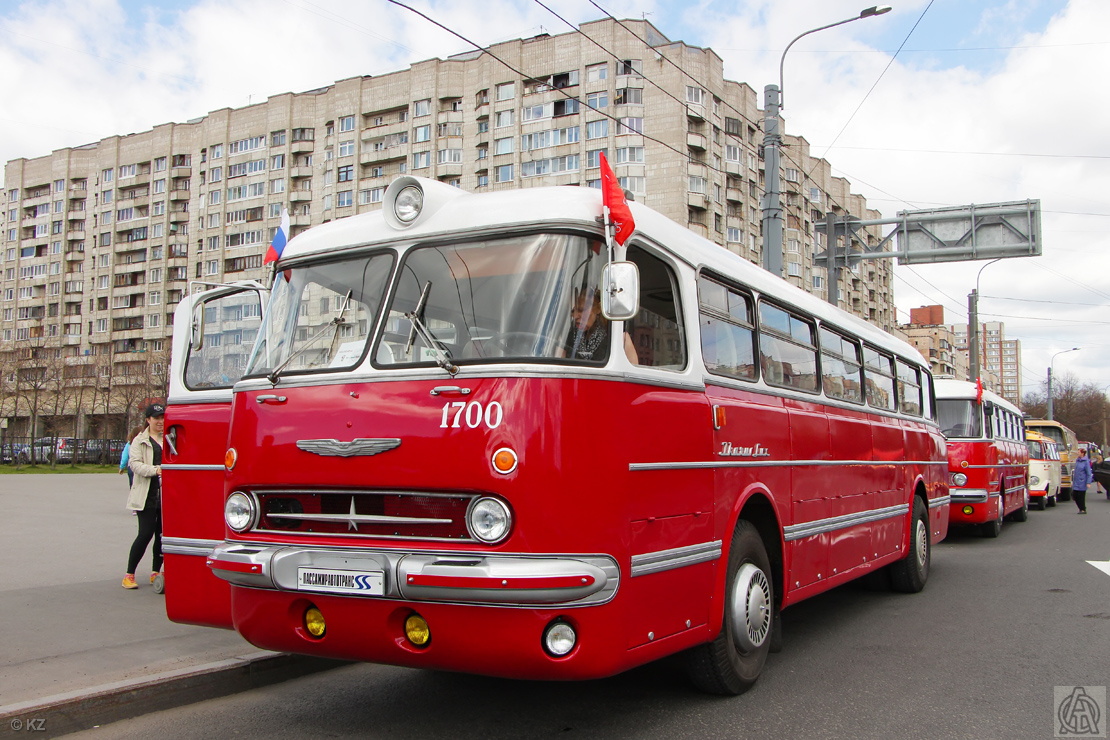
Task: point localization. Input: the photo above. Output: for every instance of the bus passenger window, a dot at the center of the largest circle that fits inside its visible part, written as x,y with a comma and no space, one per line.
727,333
878,379
840,367
909,388
657,329
787,353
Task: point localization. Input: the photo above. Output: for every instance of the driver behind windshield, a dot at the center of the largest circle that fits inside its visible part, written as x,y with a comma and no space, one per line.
588,337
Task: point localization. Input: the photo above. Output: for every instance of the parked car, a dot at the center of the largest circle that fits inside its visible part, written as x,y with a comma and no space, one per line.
102,451
56,449
14,452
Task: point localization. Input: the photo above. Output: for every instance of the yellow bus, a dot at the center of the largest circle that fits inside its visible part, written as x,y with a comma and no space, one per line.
1066,442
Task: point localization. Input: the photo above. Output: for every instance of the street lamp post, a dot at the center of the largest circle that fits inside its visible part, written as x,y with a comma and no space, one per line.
1073,349
973,326
772,152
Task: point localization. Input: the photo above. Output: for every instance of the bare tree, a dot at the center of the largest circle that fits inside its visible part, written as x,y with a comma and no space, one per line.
1082,407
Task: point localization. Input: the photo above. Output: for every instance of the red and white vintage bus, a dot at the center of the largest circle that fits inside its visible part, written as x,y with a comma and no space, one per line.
406,453
987,456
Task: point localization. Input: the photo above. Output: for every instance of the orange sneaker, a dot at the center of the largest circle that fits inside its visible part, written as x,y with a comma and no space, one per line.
129,581
153,576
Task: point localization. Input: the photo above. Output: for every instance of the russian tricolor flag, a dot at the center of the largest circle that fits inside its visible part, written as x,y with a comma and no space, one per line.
280,238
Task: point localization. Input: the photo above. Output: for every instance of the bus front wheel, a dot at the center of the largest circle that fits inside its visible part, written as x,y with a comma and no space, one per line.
733,661
909,574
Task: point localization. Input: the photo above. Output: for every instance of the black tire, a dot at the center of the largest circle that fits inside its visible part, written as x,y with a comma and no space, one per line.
1021,514
1064,494
731,663
909,574
994,528
1049,501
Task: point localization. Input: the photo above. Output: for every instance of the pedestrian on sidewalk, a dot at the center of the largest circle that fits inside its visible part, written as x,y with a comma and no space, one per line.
1081,477
145,461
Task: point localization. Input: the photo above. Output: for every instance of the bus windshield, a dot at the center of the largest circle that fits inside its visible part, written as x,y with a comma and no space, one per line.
1053,433
321,315
960,418
491,300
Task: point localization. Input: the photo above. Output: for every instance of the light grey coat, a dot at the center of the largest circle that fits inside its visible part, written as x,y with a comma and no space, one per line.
141,462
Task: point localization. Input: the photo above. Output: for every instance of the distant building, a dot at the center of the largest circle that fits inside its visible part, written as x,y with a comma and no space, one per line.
100,242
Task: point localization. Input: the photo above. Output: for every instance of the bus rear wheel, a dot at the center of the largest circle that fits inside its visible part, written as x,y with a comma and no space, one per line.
731,663
909,574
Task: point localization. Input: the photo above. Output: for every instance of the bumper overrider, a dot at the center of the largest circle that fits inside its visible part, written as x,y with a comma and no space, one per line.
451,577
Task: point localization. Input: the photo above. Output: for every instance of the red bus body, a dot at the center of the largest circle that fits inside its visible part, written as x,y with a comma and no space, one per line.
988,454
627,489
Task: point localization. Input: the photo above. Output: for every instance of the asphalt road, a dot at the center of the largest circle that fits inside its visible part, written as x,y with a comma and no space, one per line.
976,655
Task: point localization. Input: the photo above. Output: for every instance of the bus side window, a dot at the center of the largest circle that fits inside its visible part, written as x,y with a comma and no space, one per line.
909,388
657,331
727,332
840,367
878,379
787,352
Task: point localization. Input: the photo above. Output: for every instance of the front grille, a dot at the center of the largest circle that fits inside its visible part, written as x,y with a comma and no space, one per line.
392,514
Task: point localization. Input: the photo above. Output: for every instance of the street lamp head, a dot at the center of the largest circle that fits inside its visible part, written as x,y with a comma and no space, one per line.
875,10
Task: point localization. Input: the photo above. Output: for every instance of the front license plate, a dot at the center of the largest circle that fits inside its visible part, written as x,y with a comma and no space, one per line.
358,582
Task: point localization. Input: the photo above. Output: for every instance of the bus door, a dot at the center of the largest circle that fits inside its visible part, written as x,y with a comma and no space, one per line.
213,335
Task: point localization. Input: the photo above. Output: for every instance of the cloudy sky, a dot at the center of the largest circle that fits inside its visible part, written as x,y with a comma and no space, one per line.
937,103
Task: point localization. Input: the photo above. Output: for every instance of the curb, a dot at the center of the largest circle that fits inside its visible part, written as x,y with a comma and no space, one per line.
101,705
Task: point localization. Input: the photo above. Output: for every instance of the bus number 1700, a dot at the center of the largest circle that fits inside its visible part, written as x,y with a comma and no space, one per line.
472,414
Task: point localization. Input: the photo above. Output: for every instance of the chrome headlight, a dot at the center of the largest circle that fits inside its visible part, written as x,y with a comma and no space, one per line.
407,205
239,511
959,479
489,520
1034,480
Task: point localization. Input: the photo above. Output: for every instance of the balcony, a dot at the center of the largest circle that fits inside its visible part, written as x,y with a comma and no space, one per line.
181,171
300,220
177,195
734,194
696,141
295,172
300,196
75,235
300,147
78,192
695,111
449,169
373,156
179,217
734,168
697,200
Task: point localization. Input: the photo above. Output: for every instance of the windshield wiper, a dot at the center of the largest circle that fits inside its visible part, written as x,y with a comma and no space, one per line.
442,358
336,322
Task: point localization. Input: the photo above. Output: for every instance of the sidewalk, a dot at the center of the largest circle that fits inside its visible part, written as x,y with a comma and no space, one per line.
74,634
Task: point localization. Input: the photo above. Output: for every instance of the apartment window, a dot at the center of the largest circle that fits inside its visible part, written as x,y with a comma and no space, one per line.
448,156
593,157
506,91
630,154
421,108
483,181
346,173
630,67
504,173
420,160
371,195
631,125
596,72
504,118
347,123
277,138
638,185
106,175
483,152
695,95
422,133
345,198
629,96
598,100
734,235
346,148
597,129
697,184
277,186
503,146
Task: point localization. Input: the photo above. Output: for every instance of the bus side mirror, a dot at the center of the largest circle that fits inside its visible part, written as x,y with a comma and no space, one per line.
620,291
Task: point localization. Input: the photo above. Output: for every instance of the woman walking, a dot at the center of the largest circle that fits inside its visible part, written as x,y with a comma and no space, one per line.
1081,477
145,461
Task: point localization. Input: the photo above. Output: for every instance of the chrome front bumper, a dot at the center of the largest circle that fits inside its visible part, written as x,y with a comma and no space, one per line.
460,577
970,495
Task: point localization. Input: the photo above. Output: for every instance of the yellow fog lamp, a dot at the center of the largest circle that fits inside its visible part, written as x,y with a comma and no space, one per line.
314,622
417,631
969,510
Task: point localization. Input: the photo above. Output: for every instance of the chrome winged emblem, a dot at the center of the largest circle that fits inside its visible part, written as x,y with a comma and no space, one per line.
360,446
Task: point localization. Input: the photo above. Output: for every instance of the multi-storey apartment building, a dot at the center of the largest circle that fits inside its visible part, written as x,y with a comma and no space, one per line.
946,346
935,341
101,241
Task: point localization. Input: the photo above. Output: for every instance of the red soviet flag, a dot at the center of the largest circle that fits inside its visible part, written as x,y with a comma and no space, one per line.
612,195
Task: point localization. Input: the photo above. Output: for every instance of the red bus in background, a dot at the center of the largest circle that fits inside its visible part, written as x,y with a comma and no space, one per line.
407,453
988,460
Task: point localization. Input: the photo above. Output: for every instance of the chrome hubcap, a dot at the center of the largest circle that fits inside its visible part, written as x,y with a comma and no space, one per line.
922,543
751,607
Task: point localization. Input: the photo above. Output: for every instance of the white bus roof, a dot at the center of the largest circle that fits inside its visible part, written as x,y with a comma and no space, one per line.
965,389
449,210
